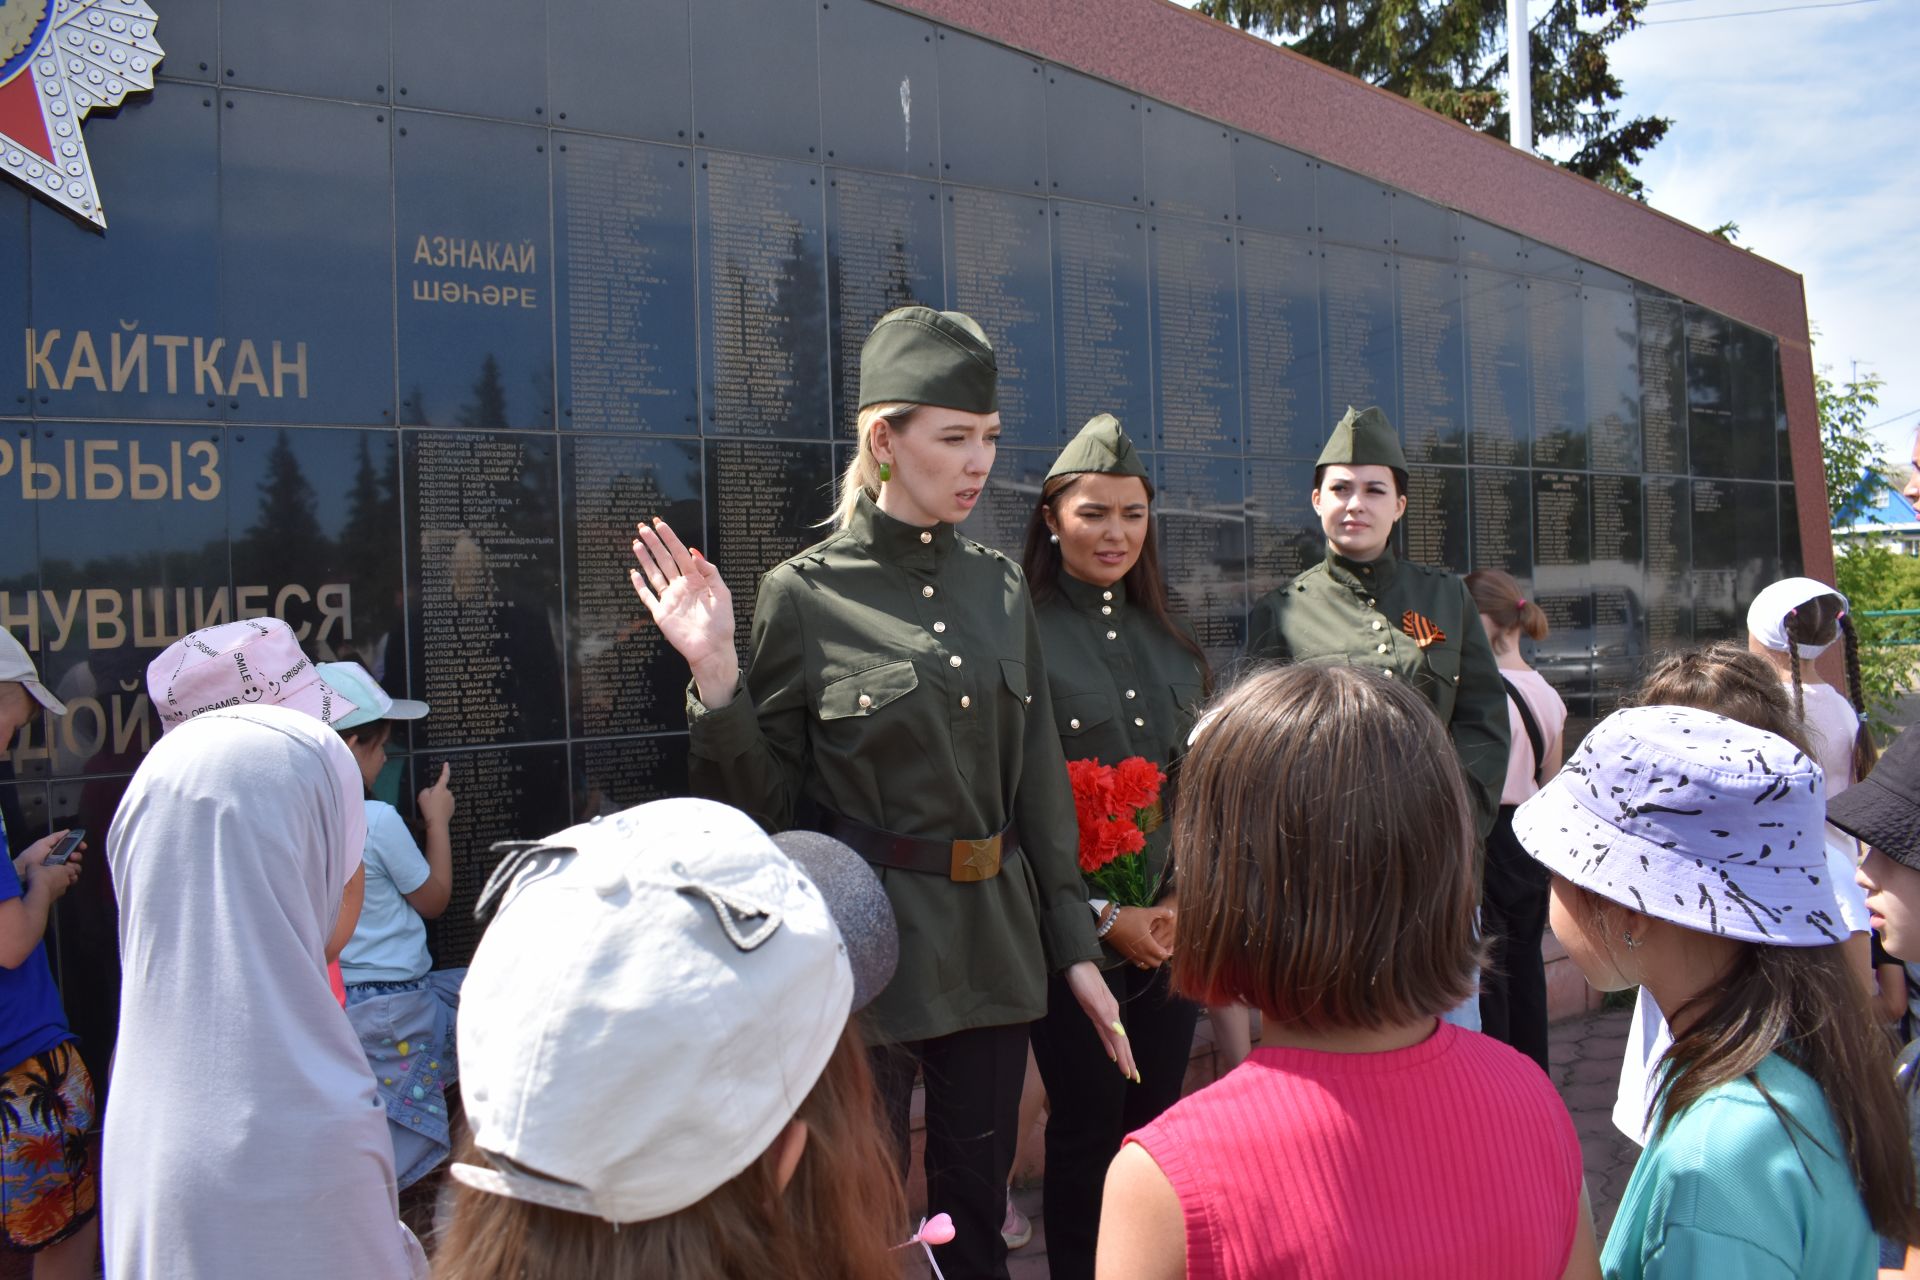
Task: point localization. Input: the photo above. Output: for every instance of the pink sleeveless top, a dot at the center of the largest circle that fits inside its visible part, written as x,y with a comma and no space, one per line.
1451,1158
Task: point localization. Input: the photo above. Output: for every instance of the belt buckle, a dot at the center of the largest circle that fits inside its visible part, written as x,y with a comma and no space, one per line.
974,860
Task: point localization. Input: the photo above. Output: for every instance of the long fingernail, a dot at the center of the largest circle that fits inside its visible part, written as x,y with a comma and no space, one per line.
1136,1075
1117,1028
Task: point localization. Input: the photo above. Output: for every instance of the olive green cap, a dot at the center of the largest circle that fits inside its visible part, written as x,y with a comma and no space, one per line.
1364,438
1102,446
916,355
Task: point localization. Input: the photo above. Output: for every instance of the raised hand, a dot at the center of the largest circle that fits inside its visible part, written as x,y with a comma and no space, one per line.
436,802
692,607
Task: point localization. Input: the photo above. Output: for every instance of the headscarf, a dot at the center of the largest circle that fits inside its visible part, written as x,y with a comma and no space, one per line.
245,1137
1767,615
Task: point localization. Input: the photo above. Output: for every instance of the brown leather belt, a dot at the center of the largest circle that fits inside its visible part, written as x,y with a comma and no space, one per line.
962,861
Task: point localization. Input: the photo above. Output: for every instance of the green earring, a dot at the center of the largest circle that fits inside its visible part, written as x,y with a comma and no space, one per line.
886,472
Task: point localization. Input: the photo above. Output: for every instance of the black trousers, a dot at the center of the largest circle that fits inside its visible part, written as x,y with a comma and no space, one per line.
1092,1107
973,1118
1513,916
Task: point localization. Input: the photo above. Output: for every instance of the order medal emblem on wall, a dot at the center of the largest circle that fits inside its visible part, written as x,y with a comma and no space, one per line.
59,60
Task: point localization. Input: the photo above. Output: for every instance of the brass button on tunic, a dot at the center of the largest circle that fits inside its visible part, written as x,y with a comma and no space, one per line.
948,748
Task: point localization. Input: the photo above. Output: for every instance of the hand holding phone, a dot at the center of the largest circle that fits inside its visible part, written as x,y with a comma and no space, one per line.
64,850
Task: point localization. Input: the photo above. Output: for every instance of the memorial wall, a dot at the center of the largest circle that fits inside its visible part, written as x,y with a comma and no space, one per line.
405,314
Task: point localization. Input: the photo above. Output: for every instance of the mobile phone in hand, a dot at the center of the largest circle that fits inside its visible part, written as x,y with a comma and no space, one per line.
64,850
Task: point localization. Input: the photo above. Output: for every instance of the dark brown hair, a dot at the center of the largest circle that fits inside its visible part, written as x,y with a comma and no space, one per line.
1309,890
838,1219
1146,589
1496,594
1399,477
1803,1002
1821,620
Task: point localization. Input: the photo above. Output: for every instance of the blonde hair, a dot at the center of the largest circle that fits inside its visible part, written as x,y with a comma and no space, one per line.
863,473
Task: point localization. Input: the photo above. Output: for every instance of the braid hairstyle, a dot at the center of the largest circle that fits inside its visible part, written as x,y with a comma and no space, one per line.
1865,753
1793,664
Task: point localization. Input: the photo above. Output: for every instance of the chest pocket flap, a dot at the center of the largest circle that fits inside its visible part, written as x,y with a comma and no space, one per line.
865,692
1076,713
1015,674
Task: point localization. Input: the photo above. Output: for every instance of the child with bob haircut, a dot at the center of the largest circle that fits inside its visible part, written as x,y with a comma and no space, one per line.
658,1064
1366,1136
1688,857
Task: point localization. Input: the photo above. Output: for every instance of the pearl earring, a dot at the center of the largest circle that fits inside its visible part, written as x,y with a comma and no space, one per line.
1054,538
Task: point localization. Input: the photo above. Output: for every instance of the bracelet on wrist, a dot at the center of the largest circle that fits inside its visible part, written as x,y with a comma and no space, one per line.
1105,926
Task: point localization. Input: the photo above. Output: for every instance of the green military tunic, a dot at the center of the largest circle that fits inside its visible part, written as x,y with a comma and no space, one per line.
895,677
1122,686
1345,611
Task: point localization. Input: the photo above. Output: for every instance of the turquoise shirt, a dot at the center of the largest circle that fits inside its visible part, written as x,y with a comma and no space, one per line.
1726,1193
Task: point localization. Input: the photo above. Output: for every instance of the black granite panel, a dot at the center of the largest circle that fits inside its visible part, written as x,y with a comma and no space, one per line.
1501,507
756,76
765,499
1196,336
83,938
1556,349
621,67
190,33
611,774
137,309
1354,210
1357,289
1273,188
624,326
1094,147
622,677
472,238
1793,561
879,89
504,793
763,296
1000,272
1486,246
314,523
483,567
1432,345
477,57
306,266
1736,540
1782,444
1710,393
1280,306
883,251
1753,370
1434,530
1610,368
1189,164
1201,509
1284,536
1663,382
1669,556
1619,581
15,271
1499,394
1425,229
991,101
134,548
1007,504
339,50
1100,314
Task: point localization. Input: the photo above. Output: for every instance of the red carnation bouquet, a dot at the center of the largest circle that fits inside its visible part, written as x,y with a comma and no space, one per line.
1117,806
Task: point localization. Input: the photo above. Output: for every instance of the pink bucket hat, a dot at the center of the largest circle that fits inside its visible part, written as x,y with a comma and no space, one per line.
253,662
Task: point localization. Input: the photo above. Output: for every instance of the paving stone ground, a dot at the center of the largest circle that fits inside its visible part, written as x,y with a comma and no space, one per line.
1584,1057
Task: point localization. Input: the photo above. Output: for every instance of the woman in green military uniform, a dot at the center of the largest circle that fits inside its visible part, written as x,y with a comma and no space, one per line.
1126,677
896,687
1363,606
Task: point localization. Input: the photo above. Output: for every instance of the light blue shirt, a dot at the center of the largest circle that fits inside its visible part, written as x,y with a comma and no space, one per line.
390,942
1726,1193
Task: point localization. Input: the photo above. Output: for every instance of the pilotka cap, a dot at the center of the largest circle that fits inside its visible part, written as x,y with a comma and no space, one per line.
1364,438
1101,447
916,355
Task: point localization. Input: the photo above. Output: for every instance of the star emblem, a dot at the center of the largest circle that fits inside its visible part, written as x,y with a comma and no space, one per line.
59,60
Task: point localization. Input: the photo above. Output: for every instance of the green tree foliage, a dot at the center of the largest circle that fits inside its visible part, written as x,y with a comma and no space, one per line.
1872,576
1854,469
1451,56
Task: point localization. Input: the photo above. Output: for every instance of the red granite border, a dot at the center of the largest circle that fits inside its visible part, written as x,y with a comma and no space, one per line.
1168,52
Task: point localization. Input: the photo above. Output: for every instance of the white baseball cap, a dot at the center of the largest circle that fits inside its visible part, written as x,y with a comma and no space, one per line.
16,666
371,702
657,994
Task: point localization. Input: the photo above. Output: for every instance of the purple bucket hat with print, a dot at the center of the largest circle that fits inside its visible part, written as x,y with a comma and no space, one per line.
1693,818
